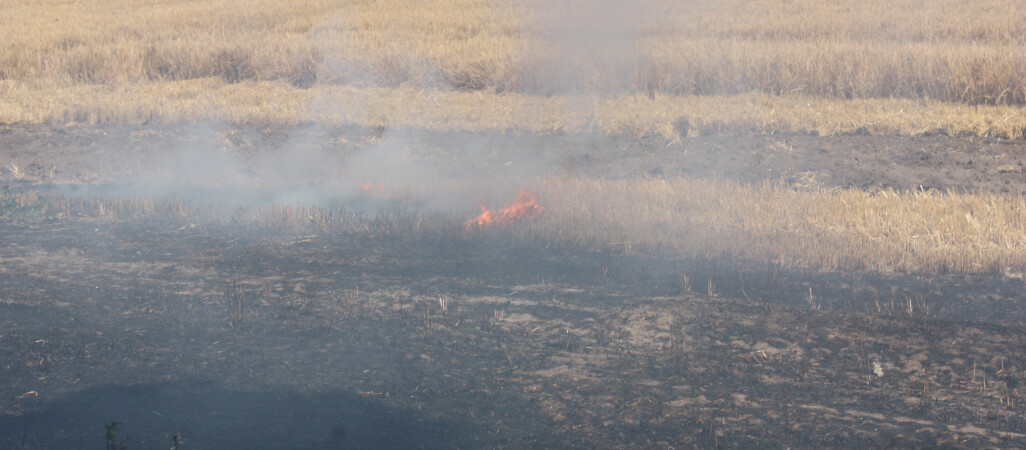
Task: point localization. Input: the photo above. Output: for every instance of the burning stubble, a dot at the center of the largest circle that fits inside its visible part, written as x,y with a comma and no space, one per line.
408,269
524,206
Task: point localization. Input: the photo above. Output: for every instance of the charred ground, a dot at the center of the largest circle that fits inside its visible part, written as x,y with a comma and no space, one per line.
476,339
90,154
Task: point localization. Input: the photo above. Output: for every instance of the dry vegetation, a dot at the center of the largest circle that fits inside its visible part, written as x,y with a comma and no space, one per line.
830,67
885,231
631,115
916,231
827,67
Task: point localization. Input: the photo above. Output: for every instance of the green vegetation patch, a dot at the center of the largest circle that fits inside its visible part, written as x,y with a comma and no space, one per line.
14,206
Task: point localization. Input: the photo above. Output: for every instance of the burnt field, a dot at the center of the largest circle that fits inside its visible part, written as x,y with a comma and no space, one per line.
409,328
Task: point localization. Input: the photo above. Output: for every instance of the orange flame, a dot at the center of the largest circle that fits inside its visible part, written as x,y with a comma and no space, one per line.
484,219
371,187
523,206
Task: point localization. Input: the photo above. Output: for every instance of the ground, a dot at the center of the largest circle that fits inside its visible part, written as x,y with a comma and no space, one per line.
255,338
91,154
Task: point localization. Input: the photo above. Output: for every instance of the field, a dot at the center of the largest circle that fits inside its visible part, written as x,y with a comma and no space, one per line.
739,66
512,224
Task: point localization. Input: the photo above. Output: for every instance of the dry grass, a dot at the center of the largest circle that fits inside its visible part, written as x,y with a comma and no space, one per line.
795,65
887,231
923,232
828,67
633,115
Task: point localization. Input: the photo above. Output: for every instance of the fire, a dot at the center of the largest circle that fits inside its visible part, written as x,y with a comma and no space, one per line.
371,187
523,206
484,219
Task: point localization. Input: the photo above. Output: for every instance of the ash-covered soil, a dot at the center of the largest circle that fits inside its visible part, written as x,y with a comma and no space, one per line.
250,338
49,154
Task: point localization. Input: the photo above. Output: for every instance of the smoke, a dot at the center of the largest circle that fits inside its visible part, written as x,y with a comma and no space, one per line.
591,46
224,167
592,51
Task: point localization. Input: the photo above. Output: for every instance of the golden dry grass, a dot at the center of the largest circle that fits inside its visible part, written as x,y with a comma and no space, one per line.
924,232
632,115
129,60
885,231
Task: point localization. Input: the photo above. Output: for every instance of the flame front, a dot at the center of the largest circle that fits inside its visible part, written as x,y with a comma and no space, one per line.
523,206
484,219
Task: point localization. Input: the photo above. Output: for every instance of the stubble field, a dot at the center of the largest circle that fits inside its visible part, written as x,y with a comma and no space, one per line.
750,224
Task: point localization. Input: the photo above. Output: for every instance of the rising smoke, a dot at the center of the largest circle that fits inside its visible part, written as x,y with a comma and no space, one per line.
591,51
